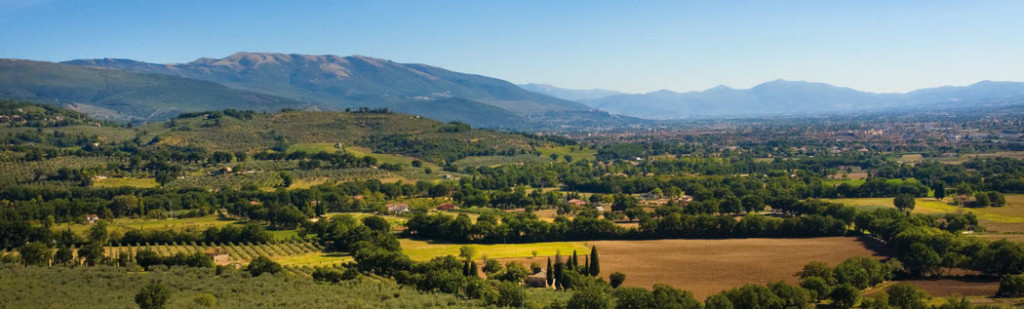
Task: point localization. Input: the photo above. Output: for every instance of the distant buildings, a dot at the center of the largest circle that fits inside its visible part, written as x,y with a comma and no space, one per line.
398,208
576,202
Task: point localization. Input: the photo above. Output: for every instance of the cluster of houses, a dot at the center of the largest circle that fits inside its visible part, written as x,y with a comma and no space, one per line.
400,208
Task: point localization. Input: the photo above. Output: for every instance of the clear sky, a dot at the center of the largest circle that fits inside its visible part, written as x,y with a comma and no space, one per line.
633,46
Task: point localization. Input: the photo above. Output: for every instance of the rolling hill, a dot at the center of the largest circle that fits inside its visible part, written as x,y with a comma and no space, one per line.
122,95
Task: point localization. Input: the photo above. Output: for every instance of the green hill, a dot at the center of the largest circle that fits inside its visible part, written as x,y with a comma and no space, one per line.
390,133
121,95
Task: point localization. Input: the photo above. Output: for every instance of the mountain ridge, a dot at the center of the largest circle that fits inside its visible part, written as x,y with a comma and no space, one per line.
784,97
338,82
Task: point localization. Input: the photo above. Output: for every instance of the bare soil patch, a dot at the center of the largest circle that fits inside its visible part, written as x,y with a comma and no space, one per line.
706,267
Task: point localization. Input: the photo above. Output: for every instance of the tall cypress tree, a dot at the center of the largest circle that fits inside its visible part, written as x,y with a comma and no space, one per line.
575,260
465,269
549,273
586,264
472,269
595,266
558,275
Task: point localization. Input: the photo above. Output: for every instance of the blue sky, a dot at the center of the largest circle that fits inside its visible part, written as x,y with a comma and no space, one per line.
633,46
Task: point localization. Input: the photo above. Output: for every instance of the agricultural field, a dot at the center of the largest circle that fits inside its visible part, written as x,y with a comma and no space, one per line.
708,266
124,224
1006,219
495,161
420,250
115,182
288,253
916,158
571,150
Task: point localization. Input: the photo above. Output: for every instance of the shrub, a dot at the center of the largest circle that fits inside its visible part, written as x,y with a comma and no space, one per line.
845,295
153,296
616,279
1011,286
905,296
817,286
206,300
510,295
263,265
590,298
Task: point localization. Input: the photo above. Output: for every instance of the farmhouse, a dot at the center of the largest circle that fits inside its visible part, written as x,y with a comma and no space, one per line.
685,200
92,218
576,202
398,208
446,207
219,256
538,280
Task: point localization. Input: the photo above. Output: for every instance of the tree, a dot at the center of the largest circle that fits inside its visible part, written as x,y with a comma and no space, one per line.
64,256
633,298
718,301
817,286
377,223
263,265
510,295
574,262
35,253
514,272
921,259
595,265
996,199
817,269
905,296
904,202
98,232
753,203
590,298
549,273
1011,286
286,179
153,295
472,269
981,199
124,204
492,267
92,253
940,190
616,279
845,295
791,296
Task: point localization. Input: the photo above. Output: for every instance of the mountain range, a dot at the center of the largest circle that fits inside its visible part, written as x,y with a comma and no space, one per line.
781,97
130,90
335,83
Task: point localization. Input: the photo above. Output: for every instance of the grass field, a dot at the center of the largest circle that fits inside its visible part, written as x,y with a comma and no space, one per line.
1012,212
125,224
572,151
114,182
423,250
494,161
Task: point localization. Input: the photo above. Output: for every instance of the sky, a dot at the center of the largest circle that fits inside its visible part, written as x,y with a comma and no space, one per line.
631,46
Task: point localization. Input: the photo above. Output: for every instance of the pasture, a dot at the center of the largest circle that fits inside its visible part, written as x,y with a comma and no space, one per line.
420,250
126,224
1009,218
